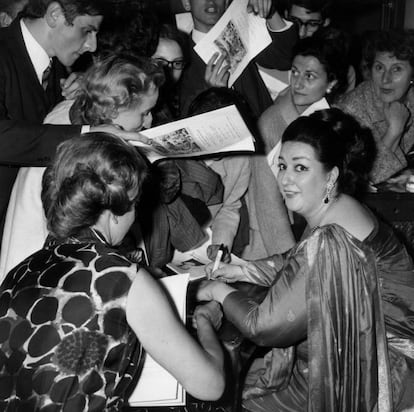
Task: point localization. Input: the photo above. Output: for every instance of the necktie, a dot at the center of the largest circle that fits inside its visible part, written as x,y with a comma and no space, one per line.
45,76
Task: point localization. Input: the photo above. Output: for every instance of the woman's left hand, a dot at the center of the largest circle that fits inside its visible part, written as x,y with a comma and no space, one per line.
211,311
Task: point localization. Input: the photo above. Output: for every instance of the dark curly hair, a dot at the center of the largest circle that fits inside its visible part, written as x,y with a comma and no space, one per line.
338,140
399,43
112,84
91,173
330,46
71,8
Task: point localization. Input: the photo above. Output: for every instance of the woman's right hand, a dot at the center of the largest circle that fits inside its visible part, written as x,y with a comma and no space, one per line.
226,272
217,71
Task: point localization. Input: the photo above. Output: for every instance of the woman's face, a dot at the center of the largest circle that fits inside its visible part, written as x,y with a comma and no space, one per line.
138,117
308,81
302,178
168,54
391,77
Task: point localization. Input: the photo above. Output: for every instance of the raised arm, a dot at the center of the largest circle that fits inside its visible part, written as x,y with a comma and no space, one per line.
198,368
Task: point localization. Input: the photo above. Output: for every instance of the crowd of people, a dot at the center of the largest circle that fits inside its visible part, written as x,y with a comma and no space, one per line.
88,222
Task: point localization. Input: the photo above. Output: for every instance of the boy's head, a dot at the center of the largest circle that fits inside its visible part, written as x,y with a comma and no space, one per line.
67,28
308,15
206,13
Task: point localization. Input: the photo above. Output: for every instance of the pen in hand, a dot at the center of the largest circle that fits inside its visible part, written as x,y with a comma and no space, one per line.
218,258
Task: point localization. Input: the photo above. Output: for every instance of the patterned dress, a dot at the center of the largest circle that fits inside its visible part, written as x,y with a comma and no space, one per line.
64,340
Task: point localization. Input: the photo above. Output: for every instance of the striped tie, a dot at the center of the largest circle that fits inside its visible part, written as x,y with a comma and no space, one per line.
45,76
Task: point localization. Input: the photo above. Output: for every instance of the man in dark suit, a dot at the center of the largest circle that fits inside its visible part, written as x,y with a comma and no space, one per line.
198,76
34,53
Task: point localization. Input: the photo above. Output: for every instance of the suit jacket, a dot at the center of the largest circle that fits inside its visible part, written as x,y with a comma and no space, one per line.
23,106
249,84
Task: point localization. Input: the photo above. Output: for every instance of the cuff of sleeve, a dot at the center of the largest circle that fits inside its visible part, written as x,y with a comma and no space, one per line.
85,128
288,25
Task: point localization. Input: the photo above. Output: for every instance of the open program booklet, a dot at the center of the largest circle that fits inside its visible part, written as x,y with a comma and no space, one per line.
239,35
218,131
156,386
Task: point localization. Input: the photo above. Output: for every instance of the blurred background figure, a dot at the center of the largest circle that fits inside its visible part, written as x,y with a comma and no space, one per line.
9,9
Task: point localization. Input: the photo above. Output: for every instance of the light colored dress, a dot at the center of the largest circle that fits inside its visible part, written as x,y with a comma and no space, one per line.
25,228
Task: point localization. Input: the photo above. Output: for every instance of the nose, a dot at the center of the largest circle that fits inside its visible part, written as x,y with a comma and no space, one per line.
284,177
386,77
303,31
297,82
91,42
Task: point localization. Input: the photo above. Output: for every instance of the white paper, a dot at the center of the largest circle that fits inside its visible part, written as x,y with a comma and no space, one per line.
184,22
217,131
241,36
156,386
275,80
197,255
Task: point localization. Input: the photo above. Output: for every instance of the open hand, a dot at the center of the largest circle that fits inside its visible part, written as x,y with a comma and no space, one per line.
217,71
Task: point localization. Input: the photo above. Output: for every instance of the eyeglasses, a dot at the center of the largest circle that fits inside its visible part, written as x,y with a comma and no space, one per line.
175,64
309,24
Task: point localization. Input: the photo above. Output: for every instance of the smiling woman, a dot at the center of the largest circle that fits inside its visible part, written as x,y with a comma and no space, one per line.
384,103
340,299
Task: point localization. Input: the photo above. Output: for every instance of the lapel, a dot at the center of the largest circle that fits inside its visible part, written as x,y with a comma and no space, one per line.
27,75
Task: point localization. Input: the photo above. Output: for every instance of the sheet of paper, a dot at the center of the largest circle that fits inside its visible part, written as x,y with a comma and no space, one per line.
184,22
217,131
196,259
275,80
241,36
156,386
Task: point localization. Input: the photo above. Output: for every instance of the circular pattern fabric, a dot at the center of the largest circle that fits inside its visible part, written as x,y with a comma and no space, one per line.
64,340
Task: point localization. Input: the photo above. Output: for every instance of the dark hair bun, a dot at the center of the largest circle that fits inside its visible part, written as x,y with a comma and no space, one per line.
358,148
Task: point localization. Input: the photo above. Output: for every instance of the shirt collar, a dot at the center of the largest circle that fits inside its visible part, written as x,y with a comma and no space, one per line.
37,53
197,35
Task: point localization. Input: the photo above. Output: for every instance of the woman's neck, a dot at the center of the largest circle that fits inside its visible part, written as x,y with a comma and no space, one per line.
322,215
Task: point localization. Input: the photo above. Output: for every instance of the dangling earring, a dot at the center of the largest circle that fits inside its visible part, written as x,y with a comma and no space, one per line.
328,195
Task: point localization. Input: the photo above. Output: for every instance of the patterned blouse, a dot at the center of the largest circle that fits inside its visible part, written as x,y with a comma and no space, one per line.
363,104
64,340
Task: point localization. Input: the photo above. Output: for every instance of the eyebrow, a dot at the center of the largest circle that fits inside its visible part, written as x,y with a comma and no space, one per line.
296,158
91,27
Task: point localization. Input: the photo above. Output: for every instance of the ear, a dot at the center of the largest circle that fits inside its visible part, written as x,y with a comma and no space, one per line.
333,176
186,5
331,85
5,19
53,13
326,22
